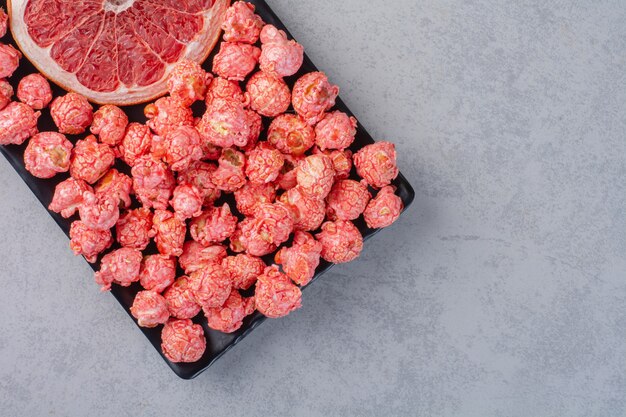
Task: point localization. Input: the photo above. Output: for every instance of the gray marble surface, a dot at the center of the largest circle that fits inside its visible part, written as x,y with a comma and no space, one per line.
501,292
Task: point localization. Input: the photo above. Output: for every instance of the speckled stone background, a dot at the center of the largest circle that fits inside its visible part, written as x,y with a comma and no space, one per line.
501,292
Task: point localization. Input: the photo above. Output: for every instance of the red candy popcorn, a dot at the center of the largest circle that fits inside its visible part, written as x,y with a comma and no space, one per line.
68,196
384,209
229,317
271,225
134,228
91,160
243,269
135,143
196,256
376,163
335,131
275,295
71,113
347,200
109,123
88,242
312,95
342,161
315,175
166,114
6,92
153,182
179,147
236,245
157,272
301,259
187,201
214,225
187,82
9,60
269,96
287,178
182,341
255,122
18,122
47,154
251,236
225,89
210,285
199,175
341,241
229,175
117,185
4,22
235,60
264,163
210,152
225,123
180,301
277,219
290,134
120,266
280,57
99,211
248,196
169,232
241,24
308,212
150,309
35,91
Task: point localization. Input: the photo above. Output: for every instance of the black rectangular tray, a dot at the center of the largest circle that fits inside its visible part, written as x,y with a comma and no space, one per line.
217,343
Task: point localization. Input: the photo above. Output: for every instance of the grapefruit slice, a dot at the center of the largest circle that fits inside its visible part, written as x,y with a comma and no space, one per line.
114,51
